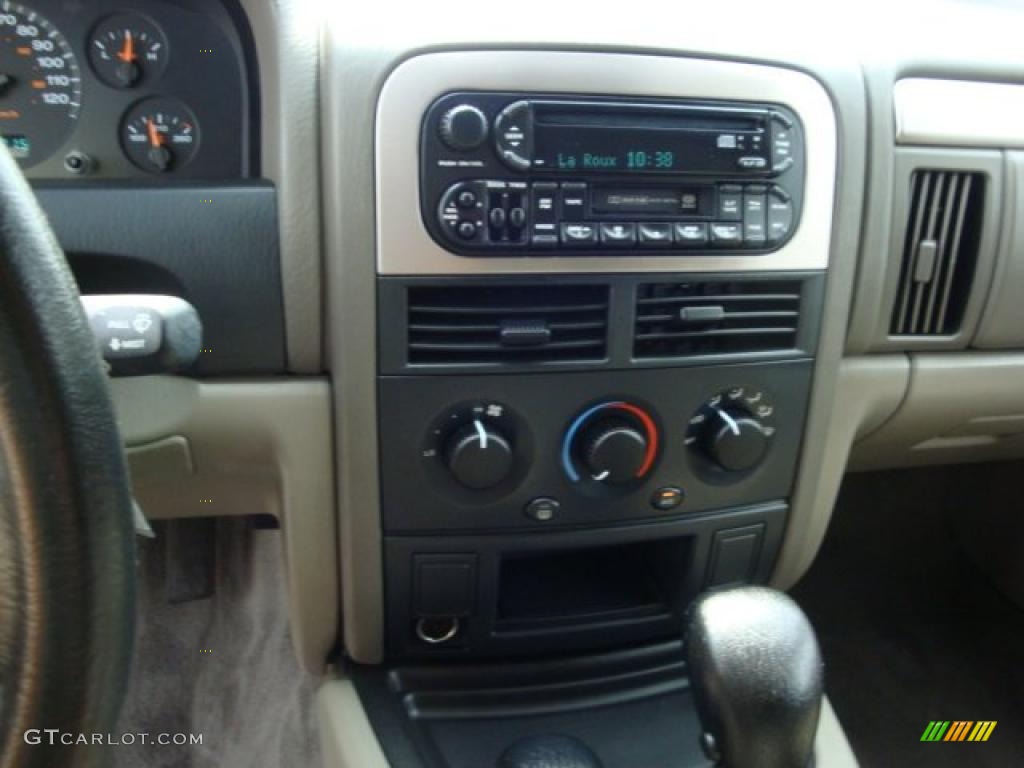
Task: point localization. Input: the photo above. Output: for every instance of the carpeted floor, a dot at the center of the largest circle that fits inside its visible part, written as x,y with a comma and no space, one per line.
911,629
222,667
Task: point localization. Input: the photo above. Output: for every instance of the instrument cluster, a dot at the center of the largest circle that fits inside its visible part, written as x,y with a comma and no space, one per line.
110,90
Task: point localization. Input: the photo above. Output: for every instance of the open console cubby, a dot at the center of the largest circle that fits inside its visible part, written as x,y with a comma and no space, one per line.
565,591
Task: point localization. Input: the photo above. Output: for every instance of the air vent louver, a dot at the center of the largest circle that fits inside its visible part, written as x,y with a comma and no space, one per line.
507,324
716,318
939,253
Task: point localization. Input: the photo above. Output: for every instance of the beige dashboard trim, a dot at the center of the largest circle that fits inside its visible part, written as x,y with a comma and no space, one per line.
958,113
406,248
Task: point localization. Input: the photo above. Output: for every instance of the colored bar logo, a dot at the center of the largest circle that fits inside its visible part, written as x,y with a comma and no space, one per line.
958,730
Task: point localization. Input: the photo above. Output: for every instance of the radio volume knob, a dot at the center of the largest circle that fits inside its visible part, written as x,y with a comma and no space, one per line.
463,127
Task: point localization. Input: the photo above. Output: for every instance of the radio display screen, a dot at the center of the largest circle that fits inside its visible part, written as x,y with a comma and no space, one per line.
642,144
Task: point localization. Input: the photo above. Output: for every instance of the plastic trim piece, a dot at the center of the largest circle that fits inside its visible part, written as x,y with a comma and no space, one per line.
958,113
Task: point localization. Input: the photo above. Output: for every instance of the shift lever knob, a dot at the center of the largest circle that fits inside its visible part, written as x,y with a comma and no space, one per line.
757,678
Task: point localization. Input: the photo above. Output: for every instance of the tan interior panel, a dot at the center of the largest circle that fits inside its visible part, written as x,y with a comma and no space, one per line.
959,408
243,448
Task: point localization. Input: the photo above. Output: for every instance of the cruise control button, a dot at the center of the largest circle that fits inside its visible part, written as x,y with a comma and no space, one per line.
655,234
618,235
726,233
730,203
691,235
579,234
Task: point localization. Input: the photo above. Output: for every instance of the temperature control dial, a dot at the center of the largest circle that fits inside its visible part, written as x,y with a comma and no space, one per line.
733,430
613,443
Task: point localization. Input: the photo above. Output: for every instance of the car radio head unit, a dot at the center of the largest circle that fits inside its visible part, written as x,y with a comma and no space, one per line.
506,172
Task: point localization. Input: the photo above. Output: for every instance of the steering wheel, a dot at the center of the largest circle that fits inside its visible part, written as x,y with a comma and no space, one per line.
67,585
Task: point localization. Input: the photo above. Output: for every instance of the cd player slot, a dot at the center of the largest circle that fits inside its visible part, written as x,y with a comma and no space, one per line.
631,202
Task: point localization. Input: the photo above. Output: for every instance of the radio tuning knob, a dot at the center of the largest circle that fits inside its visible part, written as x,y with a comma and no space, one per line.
463,127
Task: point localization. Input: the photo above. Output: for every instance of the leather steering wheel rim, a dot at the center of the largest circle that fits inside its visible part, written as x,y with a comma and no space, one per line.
67,550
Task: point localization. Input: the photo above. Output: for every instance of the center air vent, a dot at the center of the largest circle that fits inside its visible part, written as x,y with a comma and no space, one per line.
507,324
716,318
940,252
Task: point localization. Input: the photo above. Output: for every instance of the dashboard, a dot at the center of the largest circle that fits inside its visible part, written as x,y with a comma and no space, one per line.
451,345
145,90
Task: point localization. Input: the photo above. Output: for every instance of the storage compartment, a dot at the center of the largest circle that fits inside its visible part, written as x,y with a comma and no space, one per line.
595,584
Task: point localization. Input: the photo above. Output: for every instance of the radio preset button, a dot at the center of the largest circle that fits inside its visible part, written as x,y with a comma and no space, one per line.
544,240
691,235
726,233
655,234
618,235
579,234
730,203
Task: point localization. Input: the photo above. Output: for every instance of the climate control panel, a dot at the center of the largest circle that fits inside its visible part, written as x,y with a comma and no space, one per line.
574,449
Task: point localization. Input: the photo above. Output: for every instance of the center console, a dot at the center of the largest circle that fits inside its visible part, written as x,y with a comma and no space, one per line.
598,309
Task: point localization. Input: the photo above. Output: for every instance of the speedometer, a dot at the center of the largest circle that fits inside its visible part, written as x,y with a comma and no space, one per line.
40,84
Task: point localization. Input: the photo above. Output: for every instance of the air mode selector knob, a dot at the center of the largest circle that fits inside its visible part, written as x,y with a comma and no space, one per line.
613,451
736,441
463,127
478,456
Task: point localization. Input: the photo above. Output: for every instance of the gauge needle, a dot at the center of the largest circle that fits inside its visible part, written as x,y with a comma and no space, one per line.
127,53
155,139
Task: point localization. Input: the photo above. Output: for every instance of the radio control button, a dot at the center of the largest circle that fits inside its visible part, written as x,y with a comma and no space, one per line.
655,234
618,235
726,233
579,234
752,163
463,127
467,230
513,135
780,216
466,199
574,200
691,235
545,202
544,241
782,144
754,232
497,217
730,203
517,218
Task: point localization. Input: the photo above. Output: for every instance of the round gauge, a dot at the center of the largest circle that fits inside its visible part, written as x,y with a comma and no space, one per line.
40,86
126,49
160,135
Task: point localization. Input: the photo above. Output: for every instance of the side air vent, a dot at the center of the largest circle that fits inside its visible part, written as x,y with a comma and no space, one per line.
716,318
507,324
940,252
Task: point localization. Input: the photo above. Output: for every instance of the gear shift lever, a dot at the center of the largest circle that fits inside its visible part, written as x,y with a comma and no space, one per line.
757,677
